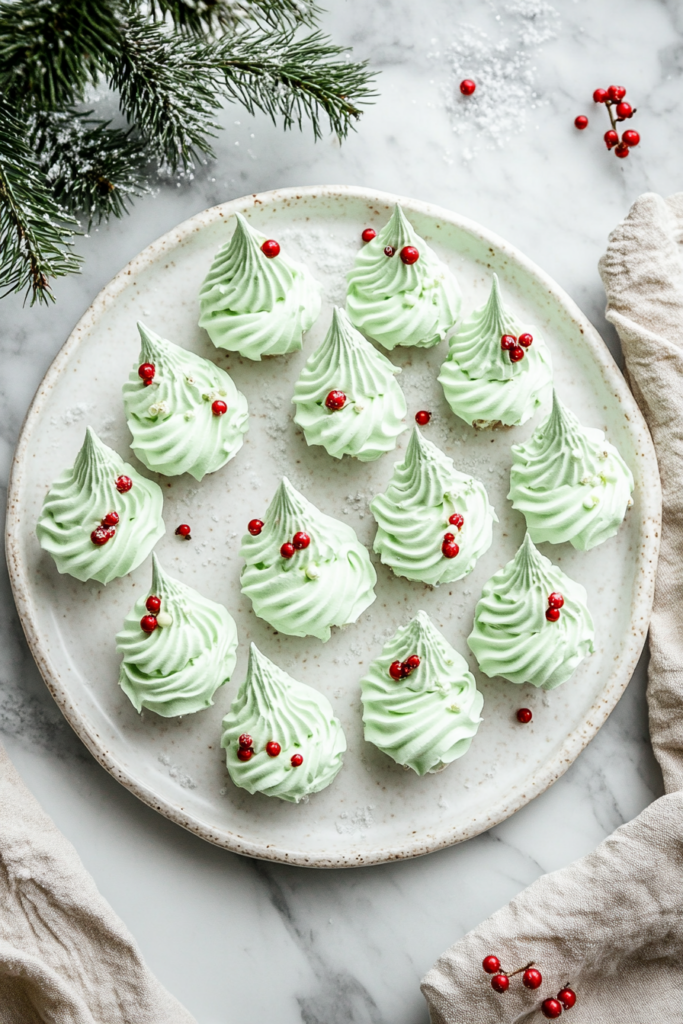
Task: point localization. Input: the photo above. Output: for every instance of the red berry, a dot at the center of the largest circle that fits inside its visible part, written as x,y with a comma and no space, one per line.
153,604
183,531
581,122
389,250
630,137
255,526
102,534
111,519
335,400
531,977
219,408
491,964
600,95
524,716
422,417
148,623
507,342
449,549
525,340
616,92
500,982
624,110
245,753
621,150
245,740
456,520
449,537
270,248
567,997
396,670
301,540
296,760
273,749
467,86
287,550
146,371
516,354
611,138
412,662
409,254
123,484
369,234
555,600
552,614
551,1009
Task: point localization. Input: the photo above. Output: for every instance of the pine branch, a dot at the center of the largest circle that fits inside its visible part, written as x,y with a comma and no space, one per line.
35,234
168,89
201,16
50,50
295,79
90,167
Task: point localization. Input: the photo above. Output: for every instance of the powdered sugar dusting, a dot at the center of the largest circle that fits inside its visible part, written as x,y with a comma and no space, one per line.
502,64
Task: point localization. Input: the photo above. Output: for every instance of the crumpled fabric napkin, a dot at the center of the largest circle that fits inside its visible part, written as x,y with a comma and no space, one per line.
65,957
611,924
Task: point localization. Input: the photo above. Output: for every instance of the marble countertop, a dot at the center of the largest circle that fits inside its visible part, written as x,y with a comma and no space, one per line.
232,937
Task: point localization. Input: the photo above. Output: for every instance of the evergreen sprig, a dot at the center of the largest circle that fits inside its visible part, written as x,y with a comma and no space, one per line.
173,63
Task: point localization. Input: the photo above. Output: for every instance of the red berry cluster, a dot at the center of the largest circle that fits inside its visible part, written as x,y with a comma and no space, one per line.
106,530
401,669
299,541
409,254
500,982
422,417
552,1008
515,346
613,99
146,373
183,531
449,549
246,748
555,602
148,623
123,484
335,400
270,248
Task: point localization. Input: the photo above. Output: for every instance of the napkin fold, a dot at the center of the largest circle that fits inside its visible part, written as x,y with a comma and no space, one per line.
611,924
65,957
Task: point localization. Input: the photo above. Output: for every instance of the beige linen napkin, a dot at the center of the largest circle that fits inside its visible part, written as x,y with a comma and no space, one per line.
65,957
611,924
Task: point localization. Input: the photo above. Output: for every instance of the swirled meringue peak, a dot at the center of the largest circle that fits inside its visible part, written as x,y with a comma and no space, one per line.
174,426
397,303
427,499
569,482
281,737
517,632
72,525
426,718
253,304
328,582
346,398
175,668
482,385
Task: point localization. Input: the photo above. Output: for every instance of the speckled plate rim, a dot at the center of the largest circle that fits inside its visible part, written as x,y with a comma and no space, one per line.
633,644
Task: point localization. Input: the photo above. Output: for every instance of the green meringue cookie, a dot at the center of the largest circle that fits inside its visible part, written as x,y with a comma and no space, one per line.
255,305
398,304
413,516
481,384
329,583
512,637
427,719
371,418
78,501
271,707
176,669
173,426
569,482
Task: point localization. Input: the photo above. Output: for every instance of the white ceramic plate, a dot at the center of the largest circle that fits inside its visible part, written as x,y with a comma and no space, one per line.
375,811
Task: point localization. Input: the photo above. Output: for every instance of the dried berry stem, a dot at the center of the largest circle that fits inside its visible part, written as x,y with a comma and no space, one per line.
519,970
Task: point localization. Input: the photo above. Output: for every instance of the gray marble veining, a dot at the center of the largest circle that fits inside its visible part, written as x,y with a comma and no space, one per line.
231,937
